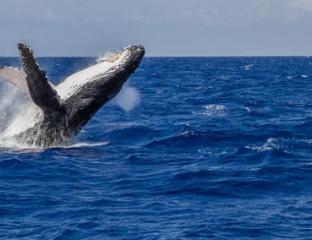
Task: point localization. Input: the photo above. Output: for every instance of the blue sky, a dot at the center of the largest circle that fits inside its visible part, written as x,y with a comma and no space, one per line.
164,27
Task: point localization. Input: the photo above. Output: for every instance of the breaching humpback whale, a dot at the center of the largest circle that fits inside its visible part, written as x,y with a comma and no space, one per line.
61,111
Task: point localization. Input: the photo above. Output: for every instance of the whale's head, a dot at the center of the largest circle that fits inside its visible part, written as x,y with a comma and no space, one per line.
84,92
129,58
126,60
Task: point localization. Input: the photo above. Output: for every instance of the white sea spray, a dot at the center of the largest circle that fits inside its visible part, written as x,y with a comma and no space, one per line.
15,109
128,98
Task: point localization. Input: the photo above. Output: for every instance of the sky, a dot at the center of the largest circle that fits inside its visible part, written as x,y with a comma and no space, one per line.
164,27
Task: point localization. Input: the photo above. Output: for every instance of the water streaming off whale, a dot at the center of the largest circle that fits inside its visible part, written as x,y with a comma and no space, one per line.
15,108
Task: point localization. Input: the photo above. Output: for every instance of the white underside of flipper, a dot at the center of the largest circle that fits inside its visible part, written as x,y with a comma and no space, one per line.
14,76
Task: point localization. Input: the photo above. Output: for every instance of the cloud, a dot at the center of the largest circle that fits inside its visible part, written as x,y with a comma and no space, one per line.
302,5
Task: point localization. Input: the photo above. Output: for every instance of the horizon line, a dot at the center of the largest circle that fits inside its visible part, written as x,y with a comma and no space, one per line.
173,56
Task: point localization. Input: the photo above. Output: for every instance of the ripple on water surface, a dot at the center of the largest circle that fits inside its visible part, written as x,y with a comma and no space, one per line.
217,148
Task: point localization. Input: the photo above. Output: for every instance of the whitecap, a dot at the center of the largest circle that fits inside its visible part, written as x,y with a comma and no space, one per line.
270,144
247,109
248,67
85,145
214,110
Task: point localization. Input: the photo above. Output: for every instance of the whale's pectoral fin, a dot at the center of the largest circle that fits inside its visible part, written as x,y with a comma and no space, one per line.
17,77
14,76
40,90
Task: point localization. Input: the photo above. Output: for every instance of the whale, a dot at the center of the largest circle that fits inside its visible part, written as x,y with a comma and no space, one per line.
59,112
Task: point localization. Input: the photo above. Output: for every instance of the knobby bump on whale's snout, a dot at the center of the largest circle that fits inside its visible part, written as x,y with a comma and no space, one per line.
136,53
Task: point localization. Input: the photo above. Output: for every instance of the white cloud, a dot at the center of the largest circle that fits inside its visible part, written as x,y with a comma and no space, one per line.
302,5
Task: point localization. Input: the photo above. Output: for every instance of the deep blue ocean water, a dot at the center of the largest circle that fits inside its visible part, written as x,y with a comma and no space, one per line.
218,148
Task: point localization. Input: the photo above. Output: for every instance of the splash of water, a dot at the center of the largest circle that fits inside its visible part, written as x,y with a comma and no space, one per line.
13,118
128,98
108,56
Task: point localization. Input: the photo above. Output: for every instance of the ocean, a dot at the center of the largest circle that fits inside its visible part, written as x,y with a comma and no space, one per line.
213,148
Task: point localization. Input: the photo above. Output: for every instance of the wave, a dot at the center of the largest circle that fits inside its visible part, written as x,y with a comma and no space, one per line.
286,145
193,137
84,145
13,147
214,110
248,67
